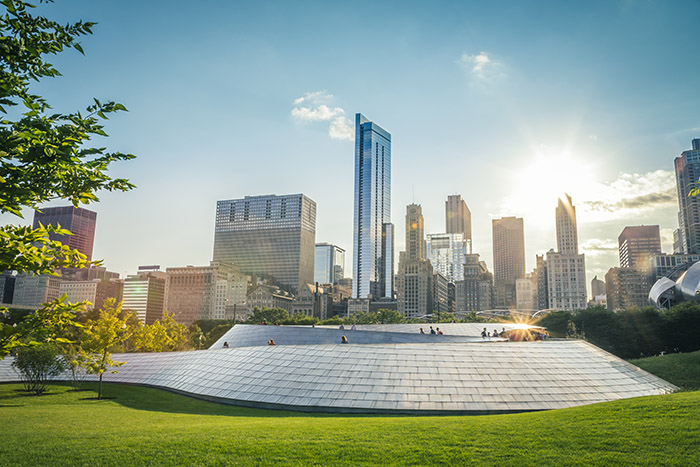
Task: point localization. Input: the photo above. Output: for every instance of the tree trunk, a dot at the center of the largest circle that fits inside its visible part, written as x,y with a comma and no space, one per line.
99,390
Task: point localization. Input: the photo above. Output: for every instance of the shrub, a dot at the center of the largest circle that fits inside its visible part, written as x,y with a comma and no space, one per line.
37,365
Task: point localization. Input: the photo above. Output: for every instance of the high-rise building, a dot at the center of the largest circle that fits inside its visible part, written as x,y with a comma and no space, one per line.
637,243
206,292
458,218
525,292
79,221
329,263
35,290
475,292
7,286
447,253
373,233
539,280
567,232
626,288
597,287
671,266
145,294
268,236
414,280
566,269
687,172
508,258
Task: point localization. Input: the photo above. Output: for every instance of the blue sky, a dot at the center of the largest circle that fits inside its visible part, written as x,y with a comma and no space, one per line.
505,103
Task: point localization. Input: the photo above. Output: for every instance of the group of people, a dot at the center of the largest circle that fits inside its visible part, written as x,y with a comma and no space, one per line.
352,328
432,331
495,333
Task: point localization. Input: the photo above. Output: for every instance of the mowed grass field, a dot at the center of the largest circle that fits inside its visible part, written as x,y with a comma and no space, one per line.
143,426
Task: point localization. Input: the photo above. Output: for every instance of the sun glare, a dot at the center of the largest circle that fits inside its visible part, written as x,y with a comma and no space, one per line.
539,182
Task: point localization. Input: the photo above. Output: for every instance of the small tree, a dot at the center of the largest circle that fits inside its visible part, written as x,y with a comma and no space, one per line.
99,336
75,359
37,365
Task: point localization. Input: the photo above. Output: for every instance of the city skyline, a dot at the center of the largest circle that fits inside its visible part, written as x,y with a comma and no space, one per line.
497,129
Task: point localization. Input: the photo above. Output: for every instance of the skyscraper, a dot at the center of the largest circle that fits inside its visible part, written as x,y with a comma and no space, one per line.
687,173
447,253
329,263
458,218
508,258
81,223
566,269
414,281
268,236
567,232
637,243
373,233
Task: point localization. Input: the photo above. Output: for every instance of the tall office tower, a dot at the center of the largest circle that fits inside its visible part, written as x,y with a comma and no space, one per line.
567,233
415,232
475,292
637,243
268,236
458,218
566,269
414,281
205,292
687,173
329,263
447,253
145,294
508,258
373,233
597,287
81,223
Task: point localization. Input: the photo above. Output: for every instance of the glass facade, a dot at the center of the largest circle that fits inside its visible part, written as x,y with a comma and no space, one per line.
81,222
268,236
372,209
329,263
447,253
687,174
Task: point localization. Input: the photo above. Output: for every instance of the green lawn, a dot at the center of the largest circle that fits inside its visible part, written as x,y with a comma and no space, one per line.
144,426
681,369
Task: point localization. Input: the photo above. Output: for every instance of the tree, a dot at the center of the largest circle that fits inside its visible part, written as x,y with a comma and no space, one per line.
36,365
100,336
44,155
268,315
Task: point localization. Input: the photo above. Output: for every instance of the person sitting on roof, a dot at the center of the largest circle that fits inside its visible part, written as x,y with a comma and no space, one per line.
343,340
421,331
483,333
271,342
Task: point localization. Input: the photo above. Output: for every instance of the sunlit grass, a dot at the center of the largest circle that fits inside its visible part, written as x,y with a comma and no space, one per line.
143,426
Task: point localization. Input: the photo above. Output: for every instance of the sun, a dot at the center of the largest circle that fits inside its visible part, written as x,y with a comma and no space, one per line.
542,179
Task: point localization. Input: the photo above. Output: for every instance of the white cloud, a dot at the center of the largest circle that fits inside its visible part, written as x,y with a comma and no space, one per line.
631,195
482,67
598,246
316,114
316,97
316,108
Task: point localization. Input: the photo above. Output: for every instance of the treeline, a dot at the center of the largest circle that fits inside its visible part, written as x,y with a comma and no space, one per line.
83,342
631,333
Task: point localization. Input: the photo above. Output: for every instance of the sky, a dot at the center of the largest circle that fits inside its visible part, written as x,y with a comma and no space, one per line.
509,104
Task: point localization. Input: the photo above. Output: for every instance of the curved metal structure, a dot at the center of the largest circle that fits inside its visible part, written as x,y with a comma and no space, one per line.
665,293
434,376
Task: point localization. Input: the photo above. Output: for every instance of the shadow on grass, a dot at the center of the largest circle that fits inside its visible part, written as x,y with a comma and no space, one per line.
160,400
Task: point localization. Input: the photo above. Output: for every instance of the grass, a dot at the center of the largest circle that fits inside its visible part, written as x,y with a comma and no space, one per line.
681,369
143,426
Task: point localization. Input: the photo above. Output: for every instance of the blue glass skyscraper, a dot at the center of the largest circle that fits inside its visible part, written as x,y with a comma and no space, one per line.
373,235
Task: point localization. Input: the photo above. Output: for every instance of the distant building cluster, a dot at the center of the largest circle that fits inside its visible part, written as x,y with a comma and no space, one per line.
265,255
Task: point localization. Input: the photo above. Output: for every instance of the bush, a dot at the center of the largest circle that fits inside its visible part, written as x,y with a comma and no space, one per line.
36,365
